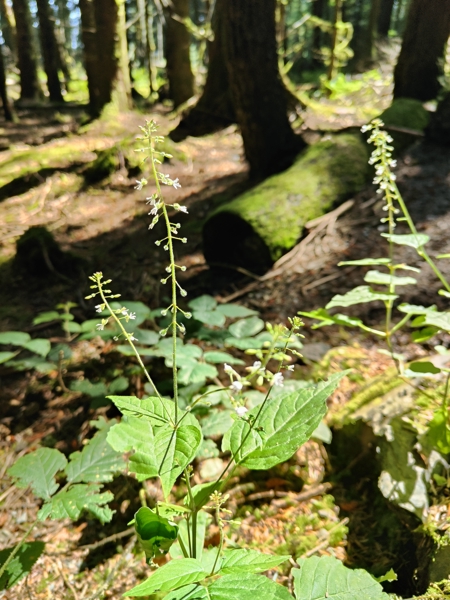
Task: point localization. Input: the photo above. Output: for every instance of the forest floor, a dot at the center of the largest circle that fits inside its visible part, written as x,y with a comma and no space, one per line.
106,226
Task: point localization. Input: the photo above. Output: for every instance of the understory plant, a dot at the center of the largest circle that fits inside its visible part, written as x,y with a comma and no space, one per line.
162,437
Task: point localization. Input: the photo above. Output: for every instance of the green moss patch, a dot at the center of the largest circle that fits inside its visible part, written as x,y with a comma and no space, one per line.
409,114
258,227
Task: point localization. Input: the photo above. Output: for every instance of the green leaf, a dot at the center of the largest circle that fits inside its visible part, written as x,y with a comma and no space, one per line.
159,449
438,433
72,327
21,564
213,318
444,293
120,384
203,303
366,262
94,390
195,591
172,575
423,335
158,410
208,449
146,337
63,351
359,295
15,338
244,343
287,421
39,346
5,356
45,317
222,357
34,362
70,503
216,423
438,319
195,371
322,433
423,367
38,469
96,463
387,279
156,533
235,311
143,313
410,239
203,519
247,586
326,577
246,327
202,492
249,561
390,576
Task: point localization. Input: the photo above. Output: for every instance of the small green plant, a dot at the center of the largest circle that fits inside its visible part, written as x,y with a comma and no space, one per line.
163,437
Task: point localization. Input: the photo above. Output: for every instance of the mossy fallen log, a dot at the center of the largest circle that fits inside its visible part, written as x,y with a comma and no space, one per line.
258,227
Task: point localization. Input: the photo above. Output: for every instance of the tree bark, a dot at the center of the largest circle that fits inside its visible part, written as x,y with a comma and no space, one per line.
7,110
49,47
318,10
29,83
98,29
8,27
385,17
259,97
427,31
214,110
177,48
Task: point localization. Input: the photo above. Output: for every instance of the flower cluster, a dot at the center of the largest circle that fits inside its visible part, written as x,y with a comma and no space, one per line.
383,162
159,210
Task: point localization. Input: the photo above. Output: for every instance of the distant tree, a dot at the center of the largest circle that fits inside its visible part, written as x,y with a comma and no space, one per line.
385,17
177,52
258,95
98,30
26,52
7,110
50,50
8,27
419,64
244,84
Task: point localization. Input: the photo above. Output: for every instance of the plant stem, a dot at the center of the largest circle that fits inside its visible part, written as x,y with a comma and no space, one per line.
17,548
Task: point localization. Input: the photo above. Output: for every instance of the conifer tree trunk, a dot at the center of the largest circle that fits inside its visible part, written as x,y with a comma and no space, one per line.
385,17
177,48
427,31
49,47
258,94
98,29
214,110
318,10
27,63
7,110
8,27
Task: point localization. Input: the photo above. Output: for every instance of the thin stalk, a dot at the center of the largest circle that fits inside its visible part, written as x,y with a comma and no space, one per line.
17,548
174,282
127,337
219,549
193,514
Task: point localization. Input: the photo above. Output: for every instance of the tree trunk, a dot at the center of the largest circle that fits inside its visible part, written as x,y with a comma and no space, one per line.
98,28
8,27
371,33
49,49
318,10
424,42
7,110
259,98
384,17
438,130
214,111
29,83
123,83
177,48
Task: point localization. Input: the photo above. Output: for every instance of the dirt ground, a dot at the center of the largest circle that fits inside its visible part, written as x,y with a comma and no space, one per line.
106,226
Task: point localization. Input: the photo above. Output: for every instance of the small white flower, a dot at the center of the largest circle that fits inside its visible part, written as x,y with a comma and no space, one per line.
227,368
132,316
132,338
100,327
241,410
183,209
124,311
140,184
176,184
100,308
278,380
236,386
290,367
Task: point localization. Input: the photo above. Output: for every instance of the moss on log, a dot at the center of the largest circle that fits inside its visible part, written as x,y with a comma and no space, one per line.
258,227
